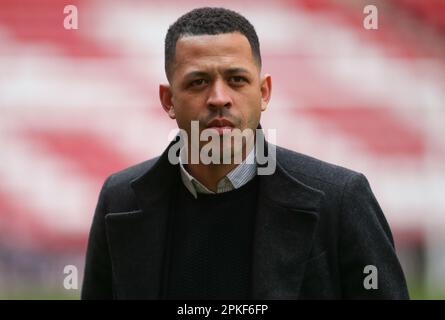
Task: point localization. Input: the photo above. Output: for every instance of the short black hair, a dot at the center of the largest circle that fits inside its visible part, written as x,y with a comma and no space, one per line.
209,21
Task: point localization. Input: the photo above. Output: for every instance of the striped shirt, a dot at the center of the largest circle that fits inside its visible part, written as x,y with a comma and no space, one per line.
235,179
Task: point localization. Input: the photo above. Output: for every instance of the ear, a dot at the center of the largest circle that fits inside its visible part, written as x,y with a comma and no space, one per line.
266,90
165,95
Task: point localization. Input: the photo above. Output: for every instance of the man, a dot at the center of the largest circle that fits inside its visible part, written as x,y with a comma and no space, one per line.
167,229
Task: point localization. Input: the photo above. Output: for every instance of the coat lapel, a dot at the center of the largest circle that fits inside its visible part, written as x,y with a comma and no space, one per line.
286,219
139,238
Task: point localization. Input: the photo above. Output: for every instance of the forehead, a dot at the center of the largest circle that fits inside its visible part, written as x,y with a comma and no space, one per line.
207,51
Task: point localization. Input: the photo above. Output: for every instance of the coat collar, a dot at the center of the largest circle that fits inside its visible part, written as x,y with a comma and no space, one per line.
287,214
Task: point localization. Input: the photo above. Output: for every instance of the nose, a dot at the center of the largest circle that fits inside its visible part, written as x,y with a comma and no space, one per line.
219,96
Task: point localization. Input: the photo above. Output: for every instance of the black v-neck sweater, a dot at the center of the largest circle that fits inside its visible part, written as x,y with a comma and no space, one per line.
211,244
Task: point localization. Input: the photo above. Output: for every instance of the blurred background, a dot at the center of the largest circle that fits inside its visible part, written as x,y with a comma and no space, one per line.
77,105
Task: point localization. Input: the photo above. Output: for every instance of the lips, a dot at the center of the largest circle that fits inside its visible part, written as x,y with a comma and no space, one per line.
220,123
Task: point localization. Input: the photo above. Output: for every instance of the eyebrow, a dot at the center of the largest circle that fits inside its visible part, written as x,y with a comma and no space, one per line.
236,70
227,71
196,74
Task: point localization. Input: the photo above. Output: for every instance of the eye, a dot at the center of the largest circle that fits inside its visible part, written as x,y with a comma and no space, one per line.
238,80
197,82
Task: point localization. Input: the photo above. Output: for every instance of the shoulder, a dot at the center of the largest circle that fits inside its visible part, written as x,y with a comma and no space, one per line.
315,172
346,192
125,176
117,187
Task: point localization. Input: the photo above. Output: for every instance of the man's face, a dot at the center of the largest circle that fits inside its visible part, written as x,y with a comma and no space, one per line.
215,78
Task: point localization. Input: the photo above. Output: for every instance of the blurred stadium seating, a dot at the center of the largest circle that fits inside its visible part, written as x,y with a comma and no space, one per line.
77,105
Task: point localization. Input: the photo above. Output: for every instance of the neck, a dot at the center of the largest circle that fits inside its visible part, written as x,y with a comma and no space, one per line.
209,175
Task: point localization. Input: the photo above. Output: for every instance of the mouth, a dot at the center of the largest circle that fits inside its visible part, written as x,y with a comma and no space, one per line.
221,125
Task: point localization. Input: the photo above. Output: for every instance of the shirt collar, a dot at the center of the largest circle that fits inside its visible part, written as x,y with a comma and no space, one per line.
235,179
